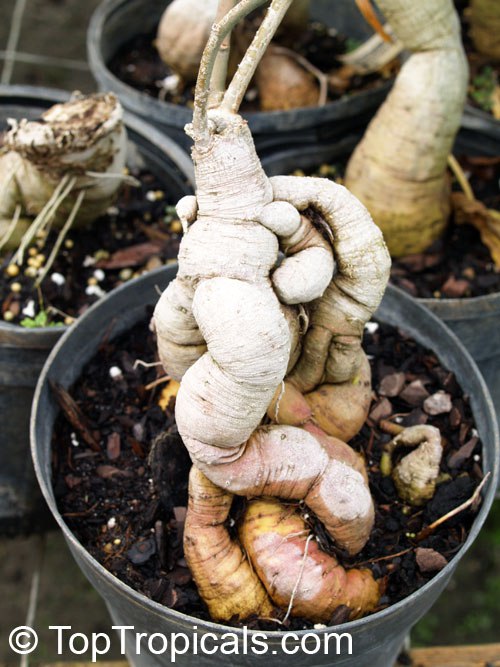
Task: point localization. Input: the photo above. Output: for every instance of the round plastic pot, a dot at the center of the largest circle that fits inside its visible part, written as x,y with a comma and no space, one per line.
475,320
23,351
116,22
376,639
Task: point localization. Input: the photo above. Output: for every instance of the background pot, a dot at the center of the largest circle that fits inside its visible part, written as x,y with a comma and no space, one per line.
23,351
476,320
376,640
116,22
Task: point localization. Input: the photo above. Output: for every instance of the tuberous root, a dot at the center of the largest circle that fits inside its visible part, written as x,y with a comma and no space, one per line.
416,473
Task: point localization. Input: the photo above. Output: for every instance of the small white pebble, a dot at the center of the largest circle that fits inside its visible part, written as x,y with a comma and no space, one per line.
170,84
29,309
126,274
475,433
99,275
111,523
151,195
74,439
89,261
113,210
94,290
398,420
319,626
371,327
115,372
476,457
58,278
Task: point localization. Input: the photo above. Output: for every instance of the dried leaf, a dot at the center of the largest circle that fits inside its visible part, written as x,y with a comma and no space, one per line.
485,220
134,255
169,390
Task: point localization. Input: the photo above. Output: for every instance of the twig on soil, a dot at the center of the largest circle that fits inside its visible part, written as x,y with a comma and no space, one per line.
425,532
458,172
74,415
381,558
158,381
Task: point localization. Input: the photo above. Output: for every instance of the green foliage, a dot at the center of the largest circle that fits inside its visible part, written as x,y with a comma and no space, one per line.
351,44
40,320
482,88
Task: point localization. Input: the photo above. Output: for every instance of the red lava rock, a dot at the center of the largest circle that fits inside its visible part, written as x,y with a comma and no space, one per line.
438,404
429,560
415,393
382,410
113,446
455,417
455,288
180,576
180,514
72,481
456,459
392,384
141,551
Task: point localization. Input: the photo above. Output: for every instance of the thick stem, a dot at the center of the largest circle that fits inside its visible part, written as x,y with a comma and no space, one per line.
241,80
219,73
217,36
398,170
485,27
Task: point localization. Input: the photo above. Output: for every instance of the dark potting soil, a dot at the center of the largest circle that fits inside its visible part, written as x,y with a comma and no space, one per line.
139,233
138,64
459,264
125,496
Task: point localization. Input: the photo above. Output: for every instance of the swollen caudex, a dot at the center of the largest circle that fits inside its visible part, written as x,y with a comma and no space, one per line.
398,170
67,164
229,327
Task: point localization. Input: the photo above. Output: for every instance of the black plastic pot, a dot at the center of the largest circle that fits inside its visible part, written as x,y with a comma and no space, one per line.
23,351
377,639
475,321
116,22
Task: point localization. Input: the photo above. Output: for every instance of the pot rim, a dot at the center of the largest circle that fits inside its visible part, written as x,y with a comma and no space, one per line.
161,610
27,96
97,63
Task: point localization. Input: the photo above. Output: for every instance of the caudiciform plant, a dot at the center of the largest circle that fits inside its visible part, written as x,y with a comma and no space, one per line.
247,334
398,170
62,170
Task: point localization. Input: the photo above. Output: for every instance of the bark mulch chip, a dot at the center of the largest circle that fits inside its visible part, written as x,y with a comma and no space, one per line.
126,503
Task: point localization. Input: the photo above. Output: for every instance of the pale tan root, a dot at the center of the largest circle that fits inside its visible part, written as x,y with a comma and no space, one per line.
398,170
416,474
484,19
225,579
83,140
341,409
331,351
290,463
294,570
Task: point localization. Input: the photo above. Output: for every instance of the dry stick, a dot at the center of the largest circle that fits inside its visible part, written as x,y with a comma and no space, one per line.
366,9
219,32
219,73
146,364
381,558
309,67
295,588
241,80
12,226
62,235
425,532
62,190
158,381
459,174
